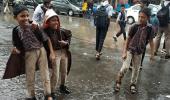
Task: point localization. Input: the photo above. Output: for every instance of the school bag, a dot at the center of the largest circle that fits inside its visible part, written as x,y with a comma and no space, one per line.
163,16
101,17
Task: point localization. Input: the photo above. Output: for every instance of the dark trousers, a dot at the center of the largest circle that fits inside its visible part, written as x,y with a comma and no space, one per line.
100,37
143,55
122,30
164,45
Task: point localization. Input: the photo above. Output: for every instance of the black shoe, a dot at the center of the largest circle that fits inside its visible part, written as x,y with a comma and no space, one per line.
54,96
64,89
167,56
33,98
47,96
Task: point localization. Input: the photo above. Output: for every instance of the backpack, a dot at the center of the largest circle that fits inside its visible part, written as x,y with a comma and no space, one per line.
122,17
101,17
163,16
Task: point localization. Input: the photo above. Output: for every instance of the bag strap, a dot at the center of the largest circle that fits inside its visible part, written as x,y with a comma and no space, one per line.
149,30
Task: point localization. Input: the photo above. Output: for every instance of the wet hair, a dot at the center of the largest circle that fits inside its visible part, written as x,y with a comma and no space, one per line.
18,9
122,5
146,11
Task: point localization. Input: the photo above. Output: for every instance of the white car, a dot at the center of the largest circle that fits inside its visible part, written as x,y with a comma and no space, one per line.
133,12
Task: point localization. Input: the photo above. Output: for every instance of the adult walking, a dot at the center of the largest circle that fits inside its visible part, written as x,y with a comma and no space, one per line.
40,10
164,28
102,22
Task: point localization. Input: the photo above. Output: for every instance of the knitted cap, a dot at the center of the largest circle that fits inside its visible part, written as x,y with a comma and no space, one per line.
19,8
49,14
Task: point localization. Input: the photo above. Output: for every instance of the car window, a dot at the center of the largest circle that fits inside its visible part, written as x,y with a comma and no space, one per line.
136,8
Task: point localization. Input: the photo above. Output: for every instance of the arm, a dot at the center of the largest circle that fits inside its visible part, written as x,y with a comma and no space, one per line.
125,16
118,17
67,34
50,46
110,9
151,43
125,48
15,39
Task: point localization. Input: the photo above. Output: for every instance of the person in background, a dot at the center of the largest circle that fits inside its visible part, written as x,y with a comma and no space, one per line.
90,8
164,28
155,23
121,20
84,8
40,10
102,25
6,6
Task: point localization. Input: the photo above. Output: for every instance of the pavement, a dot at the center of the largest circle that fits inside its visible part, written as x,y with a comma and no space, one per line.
89,79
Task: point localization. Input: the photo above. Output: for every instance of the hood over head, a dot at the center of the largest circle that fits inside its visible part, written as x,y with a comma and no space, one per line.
49,14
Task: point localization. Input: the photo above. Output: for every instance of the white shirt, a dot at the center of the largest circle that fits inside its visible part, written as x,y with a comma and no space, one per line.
119,15
38,15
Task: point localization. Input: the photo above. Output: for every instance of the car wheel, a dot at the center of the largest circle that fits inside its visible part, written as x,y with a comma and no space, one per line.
70,12
130,20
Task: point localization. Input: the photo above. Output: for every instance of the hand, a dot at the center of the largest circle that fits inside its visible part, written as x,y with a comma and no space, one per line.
52,58
15,51
63,43
34,25
151,58
124,55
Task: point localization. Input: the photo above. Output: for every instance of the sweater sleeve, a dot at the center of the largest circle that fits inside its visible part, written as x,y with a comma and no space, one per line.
15,39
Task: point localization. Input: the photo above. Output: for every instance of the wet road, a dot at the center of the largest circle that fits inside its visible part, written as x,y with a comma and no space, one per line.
89,79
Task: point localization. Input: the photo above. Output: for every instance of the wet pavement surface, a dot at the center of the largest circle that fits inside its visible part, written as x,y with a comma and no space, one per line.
89,79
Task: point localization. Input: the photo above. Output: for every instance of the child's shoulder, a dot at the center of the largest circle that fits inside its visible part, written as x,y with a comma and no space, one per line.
135,25
16,28
65,30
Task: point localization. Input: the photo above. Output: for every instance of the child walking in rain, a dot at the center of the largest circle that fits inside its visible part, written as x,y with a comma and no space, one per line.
138,35
29,39
121,20
60,39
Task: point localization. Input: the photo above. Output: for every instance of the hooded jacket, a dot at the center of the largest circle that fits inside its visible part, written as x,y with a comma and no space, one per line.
57,35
